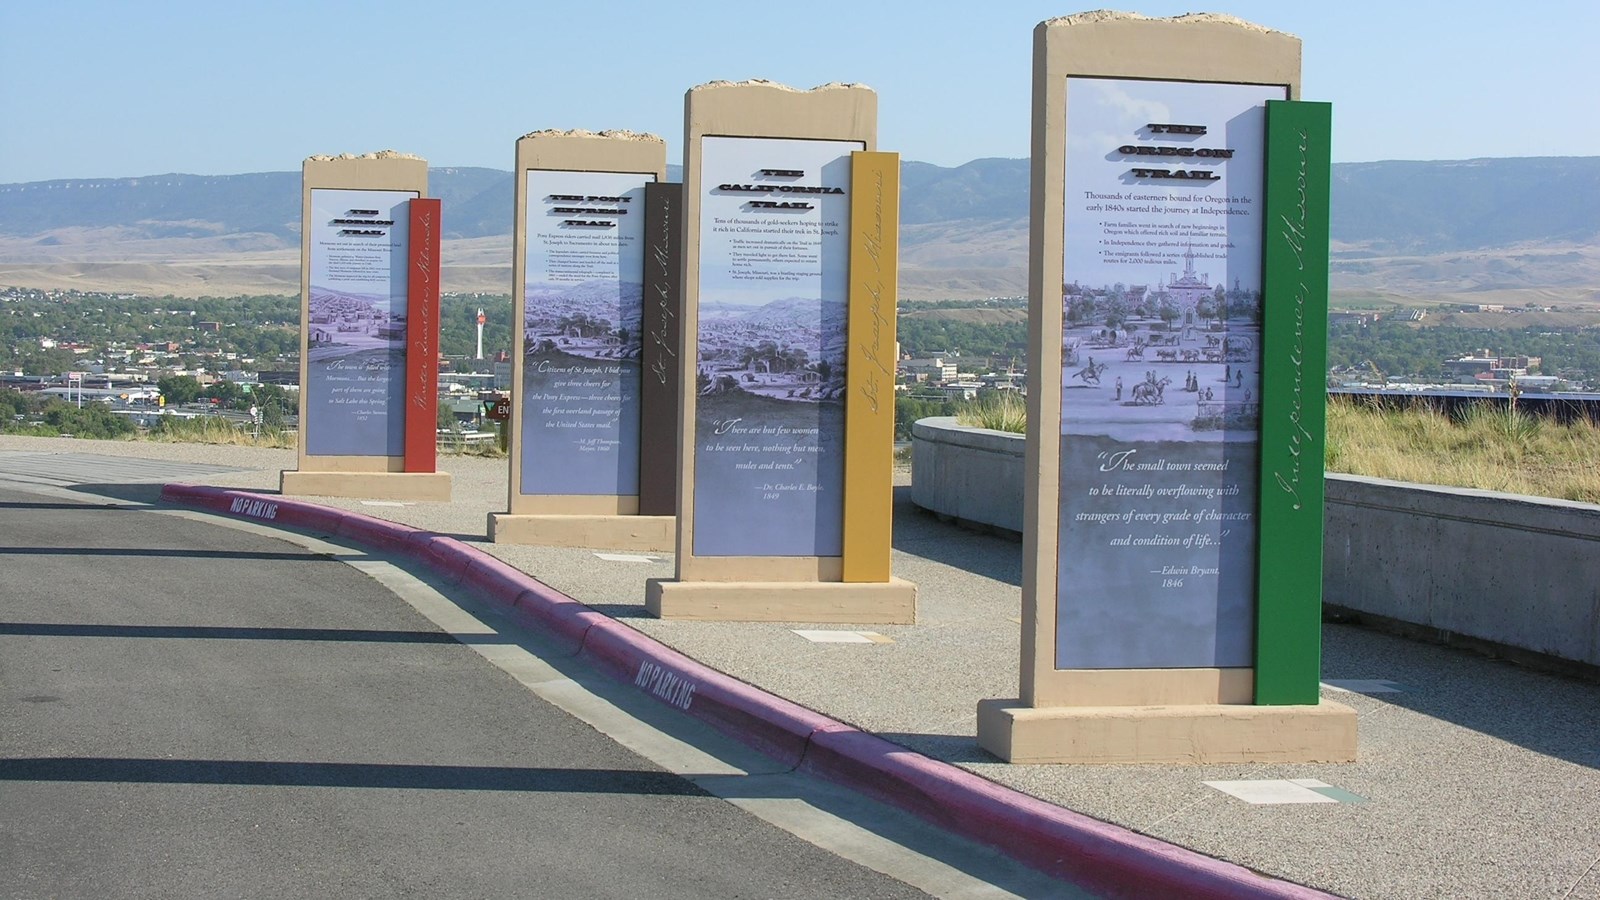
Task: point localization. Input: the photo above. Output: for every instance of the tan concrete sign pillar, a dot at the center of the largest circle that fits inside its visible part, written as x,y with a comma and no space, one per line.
1144,396
578,273
356,261
785,435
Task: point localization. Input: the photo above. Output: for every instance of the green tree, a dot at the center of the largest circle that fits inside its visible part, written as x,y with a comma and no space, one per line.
446,417
273,402
909,409
225,392
179,389
94,420
12,405
46,362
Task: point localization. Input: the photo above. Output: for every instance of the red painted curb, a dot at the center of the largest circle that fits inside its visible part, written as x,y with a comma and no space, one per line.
497,580
386,537
447,556
256,507
557,616
1106,858
770,724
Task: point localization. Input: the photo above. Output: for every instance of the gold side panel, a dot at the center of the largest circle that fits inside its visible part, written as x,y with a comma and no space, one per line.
870,365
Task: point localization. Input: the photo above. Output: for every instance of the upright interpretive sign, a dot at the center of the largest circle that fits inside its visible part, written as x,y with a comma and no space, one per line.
1151,329
781,187
370,301
580,267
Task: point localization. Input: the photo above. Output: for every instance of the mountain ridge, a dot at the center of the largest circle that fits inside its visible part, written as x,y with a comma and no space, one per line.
1445,227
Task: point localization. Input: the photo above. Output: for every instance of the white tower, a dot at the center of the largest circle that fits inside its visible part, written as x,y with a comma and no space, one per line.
481,320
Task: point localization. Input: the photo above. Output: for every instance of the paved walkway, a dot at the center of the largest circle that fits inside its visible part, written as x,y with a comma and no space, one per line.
1475,777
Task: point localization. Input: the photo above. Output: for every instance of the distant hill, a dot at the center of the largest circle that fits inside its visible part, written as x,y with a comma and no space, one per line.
174,206
995,189
1421,207
1442,228
157,205
1439,207
1395,206
477,203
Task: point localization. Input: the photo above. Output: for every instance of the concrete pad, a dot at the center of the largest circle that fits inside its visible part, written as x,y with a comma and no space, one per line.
842,637
1270,791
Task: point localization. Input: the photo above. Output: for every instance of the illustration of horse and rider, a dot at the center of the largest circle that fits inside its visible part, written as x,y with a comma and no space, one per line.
1091,373
1151,391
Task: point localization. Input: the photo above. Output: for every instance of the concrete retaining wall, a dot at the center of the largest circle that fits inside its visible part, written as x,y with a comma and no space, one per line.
974,475
1509,572
1505,569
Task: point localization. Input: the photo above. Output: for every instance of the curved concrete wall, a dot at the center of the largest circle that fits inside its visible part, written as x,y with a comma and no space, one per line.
974,475
1505,571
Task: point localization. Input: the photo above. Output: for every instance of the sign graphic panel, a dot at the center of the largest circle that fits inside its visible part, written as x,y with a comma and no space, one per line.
1161,374
356,323
582,336
774,285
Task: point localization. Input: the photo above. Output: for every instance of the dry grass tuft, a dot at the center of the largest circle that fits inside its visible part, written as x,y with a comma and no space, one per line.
998,411
206,430
1488,448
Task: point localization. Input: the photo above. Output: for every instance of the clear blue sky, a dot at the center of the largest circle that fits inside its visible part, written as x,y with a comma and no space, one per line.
91,88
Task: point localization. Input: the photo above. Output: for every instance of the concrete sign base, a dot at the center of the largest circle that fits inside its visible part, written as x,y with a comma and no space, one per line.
416,486
1197,735
639,533
893,602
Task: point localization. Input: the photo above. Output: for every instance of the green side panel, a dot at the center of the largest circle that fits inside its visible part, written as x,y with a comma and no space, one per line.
1293,402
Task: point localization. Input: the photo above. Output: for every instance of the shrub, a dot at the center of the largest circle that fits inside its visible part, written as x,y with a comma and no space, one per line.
996,410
